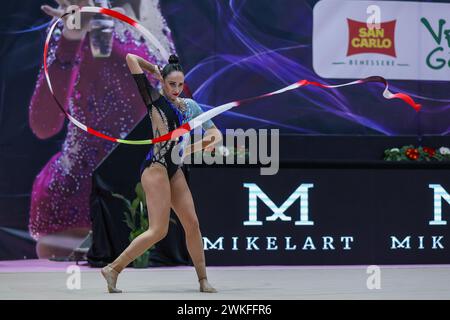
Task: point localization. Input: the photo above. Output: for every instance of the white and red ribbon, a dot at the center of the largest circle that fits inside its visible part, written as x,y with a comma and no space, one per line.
199,120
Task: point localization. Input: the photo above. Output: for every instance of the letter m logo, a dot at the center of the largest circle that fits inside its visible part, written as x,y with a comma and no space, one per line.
439,195
255,193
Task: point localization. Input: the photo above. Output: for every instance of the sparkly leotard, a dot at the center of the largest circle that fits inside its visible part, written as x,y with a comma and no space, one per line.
165,117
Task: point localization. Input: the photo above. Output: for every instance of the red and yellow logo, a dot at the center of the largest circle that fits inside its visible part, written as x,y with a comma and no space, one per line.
362,39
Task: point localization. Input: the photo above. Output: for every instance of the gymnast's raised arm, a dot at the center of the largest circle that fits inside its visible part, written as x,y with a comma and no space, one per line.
136,65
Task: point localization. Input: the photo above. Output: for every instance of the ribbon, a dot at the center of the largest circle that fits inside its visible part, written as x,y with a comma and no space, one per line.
199,120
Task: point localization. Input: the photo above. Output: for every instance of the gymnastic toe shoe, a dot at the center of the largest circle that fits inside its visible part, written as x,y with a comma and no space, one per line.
111,276
206,287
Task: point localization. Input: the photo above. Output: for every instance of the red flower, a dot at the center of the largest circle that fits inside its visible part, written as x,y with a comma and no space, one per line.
412,153
431,152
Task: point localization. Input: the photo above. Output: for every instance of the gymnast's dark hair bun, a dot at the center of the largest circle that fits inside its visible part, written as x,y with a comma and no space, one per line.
173,65
173,59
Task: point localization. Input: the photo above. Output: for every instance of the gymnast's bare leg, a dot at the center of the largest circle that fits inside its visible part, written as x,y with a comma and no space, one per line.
183,205
155,183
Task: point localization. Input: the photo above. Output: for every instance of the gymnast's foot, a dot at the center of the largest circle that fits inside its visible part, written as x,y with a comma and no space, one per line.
206,287
110,276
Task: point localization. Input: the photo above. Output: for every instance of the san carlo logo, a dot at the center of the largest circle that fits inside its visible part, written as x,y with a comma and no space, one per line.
401,40
364,38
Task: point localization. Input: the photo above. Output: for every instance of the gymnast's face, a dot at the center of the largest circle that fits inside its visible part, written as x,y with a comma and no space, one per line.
173,84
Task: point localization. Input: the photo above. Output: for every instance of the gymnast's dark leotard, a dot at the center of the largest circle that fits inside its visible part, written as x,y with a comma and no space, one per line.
165,117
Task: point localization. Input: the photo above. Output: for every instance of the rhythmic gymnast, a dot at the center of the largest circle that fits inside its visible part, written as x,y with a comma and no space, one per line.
162,179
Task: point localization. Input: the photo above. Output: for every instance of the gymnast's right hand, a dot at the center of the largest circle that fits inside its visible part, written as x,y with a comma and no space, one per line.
71,34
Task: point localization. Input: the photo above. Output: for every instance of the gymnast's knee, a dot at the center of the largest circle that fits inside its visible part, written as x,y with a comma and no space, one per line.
156,233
